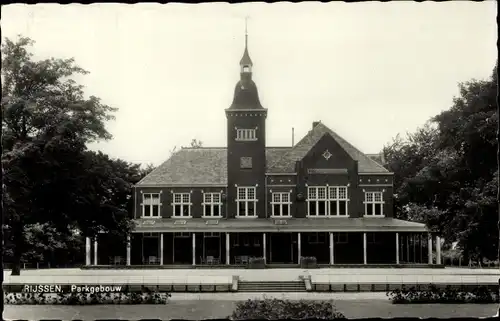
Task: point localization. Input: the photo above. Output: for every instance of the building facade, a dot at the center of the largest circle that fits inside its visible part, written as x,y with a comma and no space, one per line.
319,198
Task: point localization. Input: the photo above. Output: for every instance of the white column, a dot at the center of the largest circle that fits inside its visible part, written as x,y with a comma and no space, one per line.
264,248
194,248
397,248
365,260
128,249
161,248
228,256
429,248
87,251
299,250
331,248
438,250
95,251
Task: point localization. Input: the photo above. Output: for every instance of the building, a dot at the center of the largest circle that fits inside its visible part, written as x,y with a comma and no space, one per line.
320,198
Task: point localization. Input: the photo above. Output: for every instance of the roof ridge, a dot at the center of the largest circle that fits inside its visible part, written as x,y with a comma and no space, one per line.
353,147
294,146
350,149
203,147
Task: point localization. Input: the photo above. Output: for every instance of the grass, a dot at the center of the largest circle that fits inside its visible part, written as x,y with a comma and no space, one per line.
194,309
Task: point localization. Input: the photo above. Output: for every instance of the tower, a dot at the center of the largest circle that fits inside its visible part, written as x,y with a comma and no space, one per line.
246,139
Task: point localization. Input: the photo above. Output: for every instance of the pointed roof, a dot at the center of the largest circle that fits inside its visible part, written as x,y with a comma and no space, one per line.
286,164
245,60
246,95
196,166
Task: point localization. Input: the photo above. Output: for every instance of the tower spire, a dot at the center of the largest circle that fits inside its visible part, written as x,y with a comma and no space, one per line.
246,32
245,62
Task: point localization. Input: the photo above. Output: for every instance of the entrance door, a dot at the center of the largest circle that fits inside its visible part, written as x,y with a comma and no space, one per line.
183,248
281,247
212,248
151,254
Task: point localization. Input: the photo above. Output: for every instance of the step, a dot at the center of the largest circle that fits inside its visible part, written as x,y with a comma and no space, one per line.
271,286
272,290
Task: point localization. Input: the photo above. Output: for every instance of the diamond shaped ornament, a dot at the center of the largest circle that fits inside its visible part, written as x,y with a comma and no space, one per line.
327,154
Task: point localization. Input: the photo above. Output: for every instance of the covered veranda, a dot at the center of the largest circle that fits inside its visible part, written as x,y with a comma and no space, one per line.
198,242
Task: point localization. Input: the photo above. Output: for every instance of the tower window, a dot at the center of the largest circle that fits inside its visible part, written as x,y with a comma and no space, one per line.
246,134
246,68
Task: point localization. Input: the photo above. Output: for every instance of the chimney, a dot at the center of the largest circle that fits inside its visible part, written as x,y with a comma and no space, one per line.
315,123
293,136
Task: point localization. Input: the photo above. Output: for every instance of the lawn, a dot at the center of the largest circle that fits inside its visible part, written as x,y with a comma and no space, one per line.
207,309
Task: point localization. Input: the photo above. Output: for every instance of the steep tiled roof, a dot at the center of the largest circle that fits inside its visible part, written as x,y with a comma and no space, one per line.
206,165
287,162
191,166
379,158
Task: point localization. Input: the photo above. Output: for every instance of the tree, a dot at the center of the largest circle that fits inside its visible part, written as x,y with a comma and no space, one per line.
46,124
148,168
105,194
447,172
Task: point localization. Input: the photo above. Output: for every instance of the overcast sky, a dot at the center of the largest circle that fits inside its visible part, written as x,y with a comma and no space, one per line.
367,70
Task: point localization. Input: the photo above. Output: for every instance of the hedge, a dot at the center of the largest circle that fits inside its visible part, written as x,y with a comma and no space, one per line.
434,294
276,309
79,298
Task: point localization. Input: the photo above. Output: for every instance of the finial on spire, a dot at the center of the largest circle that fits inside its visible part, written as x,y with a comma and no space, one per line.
246,31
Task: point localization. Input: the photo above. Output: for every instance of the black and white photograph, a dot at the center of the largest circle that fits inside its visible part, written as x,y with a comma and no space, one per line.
250,161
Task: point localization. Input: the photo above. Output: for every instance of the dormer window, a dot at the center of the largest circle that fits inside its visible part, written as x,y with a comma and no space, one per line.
246,134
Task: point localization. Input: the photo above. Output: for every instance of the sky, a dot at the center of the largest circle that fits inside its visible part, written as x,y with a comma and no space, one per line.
367,70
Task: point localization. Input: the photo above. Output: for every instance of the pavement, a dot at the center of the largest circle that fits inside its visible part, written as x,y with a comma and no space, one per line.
224,276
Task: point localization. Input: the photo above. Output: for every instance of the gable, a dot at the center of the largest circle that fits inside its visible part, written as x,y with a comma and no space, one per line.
300,150
327,153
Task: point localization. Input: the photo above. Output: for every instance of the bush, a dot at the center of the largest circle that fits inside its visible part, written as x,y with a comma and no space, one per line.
274,309
308,262
436,295
256,263
78,298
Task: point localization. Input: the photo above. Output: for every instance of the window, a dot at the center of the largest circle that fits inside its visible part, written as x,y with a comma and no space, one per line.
256,241
246,201
246,240
280,203
246,162
211,235
246,134
236,239
337,200
321,203
316,201
316,238
340,237
182,235
151,205
182,205
374,204
371,238
212,205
